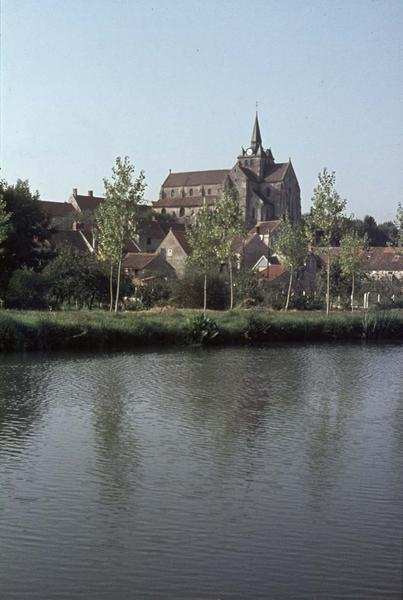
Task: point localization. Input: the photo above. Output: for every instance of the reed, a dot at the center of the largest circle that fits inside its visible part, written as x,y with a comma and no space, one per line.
97,330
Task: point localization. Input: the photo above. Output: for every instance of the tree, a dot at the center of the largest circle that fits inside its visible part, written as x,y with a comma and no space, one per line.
399,226
325,217
27,230
291,245
229,226
204,242
352,259
4,217
117,217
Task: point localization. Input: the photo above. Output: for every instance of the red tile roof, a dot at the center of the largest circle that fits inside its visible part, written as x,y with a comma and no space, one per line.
273,272
377,258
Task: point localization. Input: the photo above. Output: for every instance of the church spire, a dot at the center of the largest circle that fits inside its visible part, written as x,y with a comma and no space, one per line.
256,140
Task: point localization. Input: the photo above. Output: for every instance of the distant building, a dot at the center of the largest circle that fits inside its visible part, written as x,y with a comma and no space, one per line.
267,190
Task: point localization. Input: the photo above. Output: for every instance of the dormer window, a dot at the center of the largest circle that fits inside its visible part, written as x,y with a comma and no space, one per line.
191,192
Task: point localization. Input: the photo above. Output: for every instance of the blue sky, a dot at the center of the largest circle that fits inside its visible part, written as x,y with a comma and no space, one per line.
173,85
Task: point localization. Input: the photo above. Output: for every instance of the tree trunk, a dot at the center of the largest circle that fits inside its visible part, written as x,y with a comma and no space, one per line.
289,291
111,288
205,294
231,305
352,293
328,284
118,286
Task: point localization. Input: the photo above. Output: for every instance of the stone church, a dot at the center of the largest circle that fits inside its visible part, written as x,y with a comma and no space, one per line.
267,190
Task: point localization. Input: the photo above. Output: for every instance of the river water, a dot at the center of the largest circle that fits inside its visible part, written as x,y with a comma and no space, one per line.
237,473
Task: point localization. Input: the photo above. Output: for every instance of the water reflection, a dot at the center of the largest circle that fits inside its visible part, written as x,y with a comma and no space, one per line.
243,472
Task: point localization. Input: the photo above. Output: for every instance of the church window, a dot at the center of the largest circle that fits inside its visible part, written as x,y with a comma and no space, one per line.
173,213
191,192
182,212
163,211
209,191
172,193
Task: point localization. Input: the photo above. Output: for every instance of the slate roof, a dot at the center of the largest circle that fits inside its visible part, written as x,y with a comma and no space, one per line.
181,237
57,209
69,239
195,178
187,201
88,202
277,173
138,260
265,227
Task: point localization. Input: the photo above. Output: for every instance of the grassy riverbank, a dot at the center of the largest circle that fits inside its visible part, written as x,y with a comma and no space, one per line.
103,331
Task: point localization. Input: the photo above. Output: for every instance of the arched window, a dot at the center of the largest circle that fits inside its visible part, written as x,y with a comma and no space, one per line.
209,191
191,192
173,213
182,212
172,192
163,211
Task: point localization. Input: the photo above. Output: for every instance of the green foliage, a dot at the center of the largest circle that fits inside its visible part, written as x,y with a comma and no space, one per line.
203,239
117,217
188,291
248,288
202,329
291,245
399,226
326,216
27,290
76,279
27,231
4,216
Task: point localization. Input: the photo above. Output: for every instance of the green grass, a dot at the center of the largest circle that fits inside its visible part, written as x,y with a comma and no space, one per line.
96,330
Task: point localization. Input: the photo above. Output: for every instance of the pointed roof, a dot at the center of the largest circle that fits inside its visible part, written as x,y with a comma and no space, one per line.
256,140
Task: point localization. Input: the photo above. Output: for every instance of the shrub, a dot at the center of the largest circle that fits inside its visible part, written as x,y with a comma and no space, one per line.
27,290
202,329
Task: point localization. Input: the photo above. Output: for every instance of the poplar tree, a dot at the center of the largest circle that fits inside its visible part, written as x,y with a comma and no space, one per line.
4,217
203,239
399,225
352,258
228,223
117,217
325,219
291,245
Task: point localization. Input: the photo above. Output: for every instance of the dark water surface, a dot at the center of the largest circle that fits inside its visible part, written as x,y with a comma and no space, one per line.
240,473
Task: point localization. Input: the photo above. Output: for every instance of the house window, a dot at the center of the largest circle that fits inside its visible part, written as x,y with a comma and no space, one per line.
182,212
169,251
191,192
172,193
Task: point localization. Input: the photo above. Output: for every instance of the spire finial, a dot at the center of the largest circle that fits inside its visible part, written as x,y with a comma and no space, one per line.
256,140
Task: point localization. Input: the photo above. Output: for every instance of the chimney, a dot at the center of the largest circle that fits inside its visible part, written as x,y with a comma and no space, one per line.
74,191
90,193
